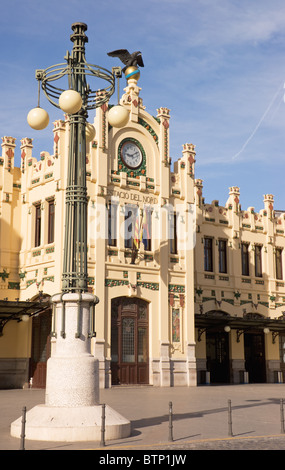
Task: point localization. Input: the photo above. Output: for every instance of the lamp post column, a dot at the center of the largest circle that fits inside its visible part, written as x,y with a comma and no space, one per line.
75,274
72,376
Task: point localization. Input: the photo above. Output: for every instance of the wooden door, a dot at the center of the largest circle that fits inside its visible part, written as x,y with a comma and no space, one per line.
40,348
218,356
254,352
282,355
129,341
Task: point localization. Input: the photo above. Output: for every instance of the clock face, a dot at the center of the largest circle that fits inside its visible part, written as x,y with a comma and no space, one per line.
131,154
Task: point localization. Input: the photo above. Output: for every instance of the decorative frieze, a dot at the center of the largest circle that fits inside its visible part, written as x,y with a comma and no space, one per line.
48,278
176,288
36,253
148,285
116,282
14,285
149,129
125,282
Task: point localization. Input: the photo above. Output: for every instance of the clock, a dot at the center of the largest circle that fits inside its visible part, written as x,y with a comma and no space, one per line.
131,154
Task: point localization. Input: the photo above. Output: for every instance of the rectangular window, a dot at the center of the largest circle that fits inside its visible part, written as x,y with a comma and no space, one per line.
172,233
278,263
223,256
112,224
51,208
208,254
37,225
258,260
128,340
244,259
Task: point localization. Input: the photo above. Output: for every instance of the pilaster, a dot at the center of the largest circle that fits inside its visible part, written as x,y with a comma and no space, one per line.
233,206
188,161
101,126
269,249
26,154
8,149
8,237
163,114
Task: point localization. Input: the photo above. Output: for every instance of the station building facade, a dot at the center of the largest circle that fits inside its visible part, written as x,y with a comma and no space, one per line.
190,292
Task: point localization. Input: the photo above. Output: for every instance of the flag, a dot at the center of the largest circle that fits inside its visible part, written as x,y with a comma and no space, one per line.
141,232
145,229
137,232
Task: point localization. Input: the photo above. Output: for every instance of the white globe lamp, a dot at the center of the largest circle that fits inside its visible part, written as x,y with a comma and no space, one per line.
70,101
90,132
38,118
118,116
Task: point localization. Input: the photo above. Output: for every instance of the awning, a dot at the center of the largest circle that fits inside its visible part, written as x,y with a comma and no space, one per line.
20,310
248,322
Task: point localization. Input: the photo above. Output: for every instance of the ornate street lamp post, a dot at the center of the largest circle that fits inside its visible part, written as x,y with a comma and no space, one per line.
72,411
76,101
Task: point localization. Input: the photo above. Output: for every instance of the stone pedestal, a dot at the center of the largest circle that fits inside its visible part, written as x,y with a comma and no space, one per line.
72,410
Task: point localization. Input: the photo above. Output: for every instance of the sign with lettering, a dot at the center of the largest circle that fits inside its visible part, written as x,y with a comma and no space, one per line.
132,196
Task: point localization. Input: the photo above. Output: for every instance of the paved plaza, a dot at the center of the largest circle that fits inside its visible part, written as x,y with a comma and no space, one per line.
201,419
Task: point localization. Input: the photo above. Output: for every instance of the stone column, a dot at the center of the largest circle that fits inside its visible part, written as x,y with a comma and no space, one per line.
72,371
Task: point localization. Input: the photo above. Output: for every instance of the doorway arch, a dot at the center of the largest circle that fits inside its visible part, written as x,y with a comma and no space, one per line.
217,347
129,341
254,352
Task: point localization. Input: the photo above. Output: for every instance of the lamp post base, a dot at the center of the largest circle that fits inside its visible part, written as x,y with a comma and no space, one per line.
79,424
72,410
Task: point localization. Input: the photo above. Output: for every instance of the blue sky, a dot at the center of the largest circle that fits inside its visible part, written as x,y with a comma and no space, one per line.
218,66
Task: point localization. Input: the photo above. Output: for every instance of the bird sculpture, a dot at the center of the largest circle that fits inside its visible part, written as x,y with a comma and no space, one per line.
128,59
